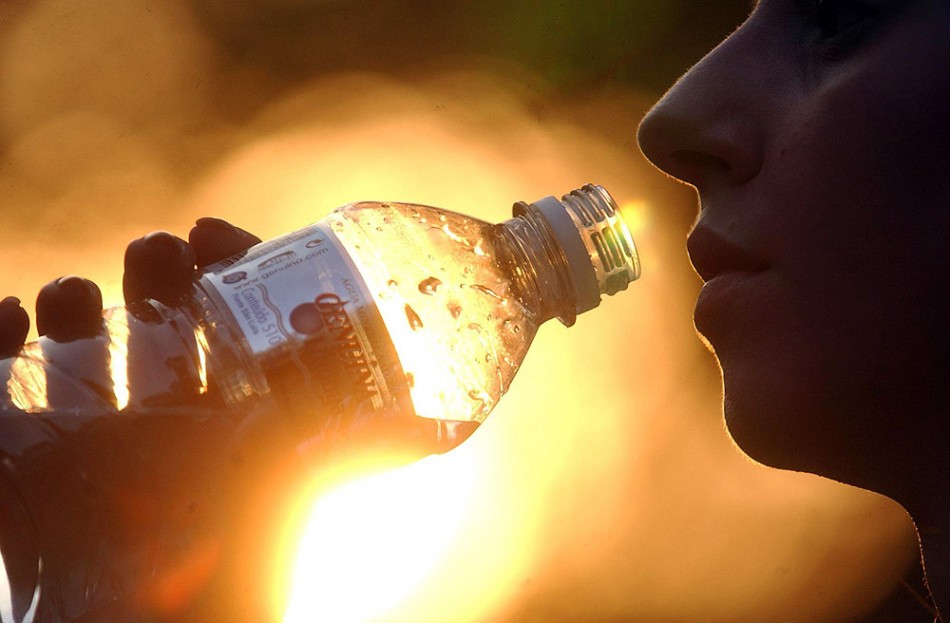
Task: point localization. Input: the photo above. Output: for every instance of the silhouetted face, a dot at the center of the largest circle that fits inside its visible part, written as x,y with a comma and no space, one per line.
818,137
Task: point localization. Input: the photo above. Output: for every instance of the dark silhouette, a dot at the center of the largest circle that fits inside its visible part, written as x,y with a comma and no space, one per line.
817,137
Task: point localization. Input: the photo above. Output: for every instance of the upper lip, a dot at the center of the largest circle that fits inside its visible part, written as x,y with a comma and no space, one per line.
713,254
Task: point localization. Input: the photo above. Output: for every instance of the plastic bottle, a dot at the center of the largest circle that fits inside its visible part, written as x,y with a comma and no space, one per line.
382,311
385,323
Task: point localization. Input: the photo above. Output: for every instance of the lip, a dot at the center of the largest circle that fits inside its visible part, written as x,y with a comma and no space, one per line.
730,273
712,254
733,304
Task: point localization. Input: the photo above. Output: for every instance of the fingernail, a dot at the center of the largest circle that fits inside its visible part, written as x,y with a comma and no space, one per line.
69,308
14,325
158,266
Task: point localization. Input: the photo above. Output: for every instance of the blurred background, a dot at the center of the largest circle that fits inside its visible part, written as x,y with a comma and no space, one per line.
604,487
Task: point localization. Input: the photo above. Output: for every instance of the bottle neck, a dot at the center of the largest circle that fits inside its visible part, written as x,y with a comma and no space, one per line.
538,271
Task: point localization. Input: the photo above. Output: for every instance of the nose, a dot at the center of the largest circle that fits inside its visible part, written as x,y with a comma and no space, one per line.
707,130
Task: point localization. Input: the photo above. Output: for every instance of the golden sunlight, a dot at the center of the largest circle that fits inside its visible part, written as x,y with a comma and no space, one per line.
636,215
27,383
370,544
117,326
603,487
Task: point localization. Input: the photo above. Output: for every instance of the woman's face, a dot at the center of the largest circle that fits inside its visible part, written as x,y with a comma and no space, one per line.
818,137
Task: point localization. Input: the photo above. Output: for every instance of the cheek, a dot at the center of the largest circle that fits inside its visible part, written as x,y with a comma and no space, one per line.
855,215
857,200
853,205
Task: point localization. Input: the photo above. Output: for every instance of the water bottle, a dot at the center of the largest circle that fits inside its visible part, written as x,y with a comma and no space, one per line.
382,314
385,324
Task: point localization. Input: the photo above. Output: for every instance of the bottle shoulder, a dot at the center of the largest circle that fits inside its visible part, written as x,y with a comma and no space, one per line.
447,301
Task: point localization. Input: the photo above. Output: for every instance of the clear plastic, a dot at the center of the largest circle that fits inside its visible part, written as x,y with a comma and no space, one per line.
383,311
447,288
386,325
434,303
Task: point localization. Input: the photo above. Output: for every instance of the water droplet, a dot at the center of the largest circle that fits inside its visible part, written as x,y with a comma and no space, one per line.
485,290
442,216
378,228
488,358
516,329
392,283
484,402
474,326
429,286
451,235
455,309
415,322
411,379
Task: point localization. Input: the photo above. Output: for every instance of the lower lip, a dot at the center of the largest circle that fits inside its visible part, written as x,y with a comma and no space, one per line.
726,299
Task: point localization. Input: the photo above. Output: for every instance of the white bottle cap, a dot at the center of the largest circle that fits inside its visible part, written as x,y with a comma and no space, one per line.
595,239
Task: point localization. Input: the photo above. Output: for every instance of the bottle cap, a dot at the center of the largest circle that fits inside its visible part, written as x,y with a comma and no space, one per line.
596,241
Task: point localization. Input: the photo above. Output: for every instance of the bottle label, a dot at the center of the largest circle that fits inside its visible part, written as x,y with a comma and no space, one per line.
304,311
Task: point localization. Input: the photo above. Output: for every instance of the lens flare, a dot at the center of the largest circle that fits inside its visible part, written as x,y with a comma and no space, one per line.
636,215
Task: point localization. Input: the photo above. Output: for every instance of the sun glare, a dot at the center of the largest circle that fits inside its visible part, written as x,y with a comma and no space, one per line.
371,543
402,545
635,214
602,488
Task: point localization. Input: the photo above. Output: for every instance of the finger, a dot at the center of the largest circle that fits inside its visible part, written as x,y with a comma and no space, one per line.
14,325
158,266
69,308
214,240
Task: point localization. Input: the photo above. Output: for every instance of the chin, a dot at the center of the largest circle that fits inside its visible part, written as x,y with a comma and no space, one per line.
789,431
761,436
812,432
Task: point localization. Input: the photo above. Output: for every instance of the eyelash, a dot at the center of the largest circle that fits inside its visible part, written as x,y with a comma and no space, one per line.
841,24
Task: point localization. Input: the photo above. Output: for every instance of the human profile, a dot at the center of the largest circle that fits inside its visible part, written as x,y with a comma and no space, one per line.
818,140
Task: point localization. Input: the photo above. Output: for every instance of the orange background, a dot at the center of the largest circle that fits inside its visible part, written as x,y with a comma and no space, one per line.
604,487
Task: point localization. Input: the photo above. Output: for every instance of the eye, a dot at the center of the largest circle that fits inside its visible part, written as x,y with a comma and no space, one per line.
841,26
836,18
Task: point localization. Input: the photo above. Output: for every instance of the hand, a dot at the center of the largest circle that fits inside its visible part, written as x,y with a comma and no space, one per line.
158,266
162,267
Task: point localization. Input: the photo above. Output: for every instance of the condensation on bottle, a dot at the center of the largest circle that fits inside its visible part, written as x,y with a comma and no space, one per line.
382,313
387,325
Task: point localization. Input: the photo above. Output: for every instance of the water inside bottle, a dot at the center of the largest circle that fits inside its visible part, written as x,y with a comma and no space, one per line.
458,330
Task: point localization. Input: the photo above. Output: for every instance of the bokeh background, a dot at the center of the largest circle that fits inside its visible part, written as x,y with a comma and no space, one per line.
604,487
